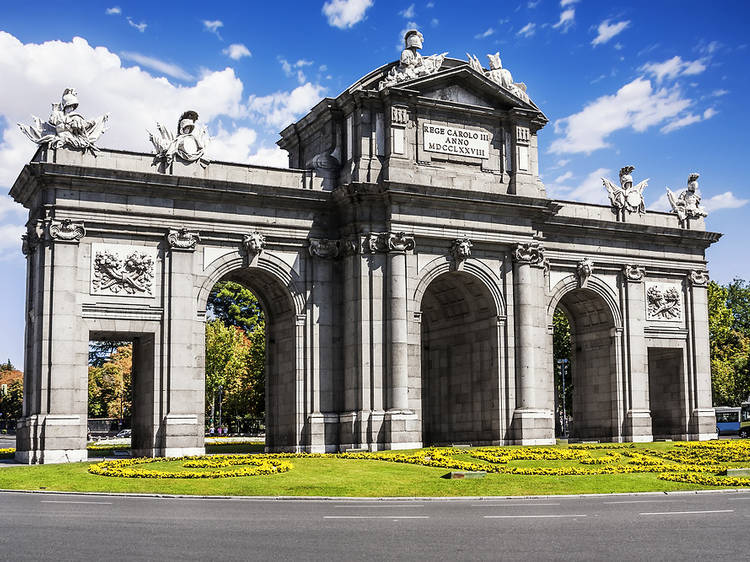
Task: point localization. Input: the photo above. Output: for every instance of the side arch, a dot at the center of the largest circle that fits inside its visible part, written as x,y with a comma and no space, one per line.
473,267
570,283
266,262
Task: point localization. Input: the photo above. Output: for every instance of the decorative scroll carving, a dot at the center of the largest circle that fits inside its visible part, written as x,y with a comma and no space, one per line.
461,250
66,231
663,302
687,205
633,273
349,246
123,270
188,145
29,242
584,269
65,128
626,197
531,253
324,248
698,278
182,239
387,242
254,243
412,64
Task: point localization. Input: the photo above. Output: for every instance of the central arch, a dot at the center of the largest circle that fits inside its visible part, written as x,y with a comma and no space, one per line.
594,326
460,382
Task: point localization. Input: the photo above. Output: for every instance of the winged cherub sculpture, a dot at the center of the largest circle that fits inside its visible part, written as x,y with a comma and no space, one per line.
626,196
66,128
188,145
687,205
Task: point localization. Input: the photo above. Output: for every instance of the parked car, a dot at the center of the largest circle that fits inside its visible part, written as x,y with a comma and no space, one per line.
123,434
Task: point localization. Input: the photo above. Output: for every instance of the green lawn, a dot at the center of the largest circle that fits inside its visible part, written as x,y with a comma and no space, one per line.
344,477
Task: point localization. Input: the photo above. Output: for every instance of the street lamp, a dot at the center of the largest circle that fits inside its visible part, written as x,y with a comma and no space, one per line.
563,363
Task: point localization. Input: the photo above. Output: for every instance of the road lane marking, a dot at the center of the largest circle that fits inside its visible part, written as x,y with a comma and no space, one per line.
510,504
644,501
533,516
376,517
734,499
687,512
369,506
67,501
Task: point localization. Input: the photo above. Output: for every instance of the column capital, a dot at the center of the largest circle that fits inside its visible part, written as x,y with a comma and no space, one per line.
387,242
698,278
529,253
633,273
65,231
182,240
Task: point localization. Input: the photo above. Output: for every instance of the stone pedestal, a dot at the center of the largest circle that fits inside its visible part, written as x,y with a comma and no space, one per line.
638,426
323,432
702,424
51,438
179,435
533,426
402,430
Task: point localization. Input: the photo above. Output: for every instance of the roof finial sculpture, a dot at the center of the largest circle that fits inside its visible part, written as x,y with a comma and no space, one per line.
66,128
412,64
188,145
499,75
687,205
627,197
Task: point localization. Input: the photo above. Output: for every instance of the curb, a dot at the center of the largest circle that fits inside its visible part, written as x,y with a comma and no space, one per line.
380,499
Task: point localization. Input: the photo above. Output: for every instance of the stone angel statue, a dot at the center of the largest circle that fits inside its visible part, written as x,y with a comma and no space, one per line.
188,145
66,128
626,196
687,205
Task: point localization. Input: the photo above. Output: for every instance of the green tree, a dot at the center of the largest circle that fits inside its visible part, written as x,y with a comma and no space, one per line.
235,305
738,301
110,385
730,347
7,366
561,350
11,402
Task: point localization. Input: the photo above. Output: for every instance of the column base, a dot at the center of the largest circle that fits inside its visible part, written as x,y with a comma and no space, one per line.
638,428
180,435
51,438
323,428
533,426
402,430
702,426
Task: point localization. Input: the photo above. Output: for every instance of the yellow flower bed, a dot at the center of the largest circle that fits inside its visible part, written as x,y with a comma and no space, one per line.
254,467
8,451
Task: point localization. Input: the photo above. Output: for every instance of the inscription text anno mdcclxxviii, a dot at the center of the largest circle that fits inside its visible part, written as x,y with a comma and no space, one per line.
451,140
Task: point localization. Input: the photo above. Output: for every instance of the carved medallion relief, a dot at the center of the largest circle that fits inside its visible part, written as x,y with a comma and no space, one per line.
122,270
663,301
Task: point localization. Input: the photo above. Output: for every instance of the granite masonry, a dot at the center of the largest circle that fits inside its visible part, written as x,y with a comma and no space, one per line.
409,263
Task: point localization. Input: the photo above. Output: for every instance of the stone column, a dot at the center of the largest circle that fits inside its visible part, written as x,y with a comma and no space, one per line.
54,425
533,419
637,407
702,425
182,427
401,422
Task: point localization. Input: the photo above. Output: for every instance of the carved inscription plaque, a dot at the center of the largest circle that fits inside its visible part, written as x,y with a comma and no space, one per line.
456,141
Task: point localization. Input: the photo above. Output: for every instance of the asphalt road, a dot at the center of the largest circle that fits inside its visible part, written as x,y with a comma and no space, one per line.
713,526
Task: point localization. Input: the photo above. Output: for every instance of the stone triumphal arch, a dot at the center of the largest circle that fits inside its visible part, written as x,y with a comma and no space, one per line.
409,263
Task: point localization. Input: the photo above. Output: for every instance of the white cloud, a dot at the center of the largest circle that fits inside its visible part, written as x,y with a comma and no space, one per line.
661,204
563,178
212,26
710,112
282,108
292,69
527,30
485,34
434,22
719,93
606,31
636,105
672,68
345,13
590,190
236,51
10,241
688,119
408,13
270,157
430,5
564,3
139,26
567,18
161,66
231,146
726,200
113,11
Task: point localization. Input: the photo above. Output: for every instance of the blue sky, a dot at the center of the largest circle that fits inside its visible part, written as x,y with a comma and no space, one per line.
660,85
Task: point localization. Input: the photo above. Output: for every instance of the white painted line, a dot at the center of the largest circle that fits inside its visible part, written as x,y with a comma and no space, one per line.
64,501
510,504
734,499
687,512
533,516
376,517
644,501
389,505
